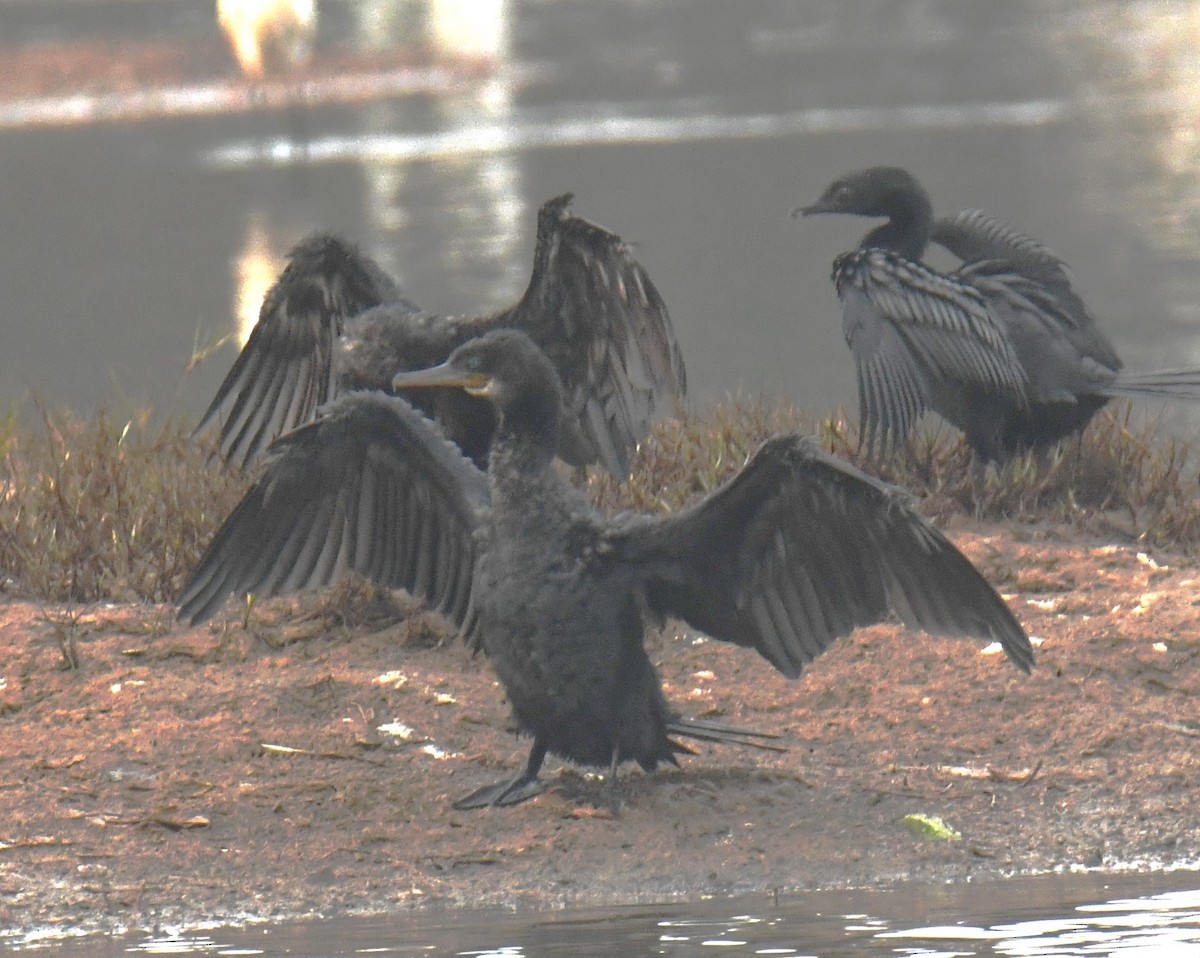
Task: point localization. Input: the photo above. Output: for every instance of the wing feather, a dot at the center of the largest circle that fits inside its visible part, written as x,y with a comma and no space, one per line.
370,487
913,331
335,323
800,549
593,309
976,237
286,369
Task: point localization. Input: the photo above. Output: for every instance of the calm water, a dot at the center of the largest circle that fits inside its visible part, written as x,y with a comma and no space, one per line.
1073,915
688,126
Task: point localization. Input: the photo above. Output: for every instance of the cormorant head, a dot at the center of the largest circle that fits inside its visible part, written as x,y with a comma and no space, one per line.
880,191
327,258
505,367
552,212
326,274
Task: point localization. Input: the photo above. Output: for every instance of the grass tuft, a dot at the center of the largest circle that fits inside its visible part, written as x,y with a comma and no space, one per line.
1122,476
118,508
107,508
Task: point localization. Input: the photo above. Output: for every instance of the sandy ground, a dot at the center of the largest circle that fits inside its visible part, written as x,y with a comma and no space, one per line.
154,775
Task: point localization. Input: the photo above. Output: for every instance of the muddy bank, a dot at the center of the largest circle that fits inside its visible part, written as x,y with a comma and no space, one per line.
306,766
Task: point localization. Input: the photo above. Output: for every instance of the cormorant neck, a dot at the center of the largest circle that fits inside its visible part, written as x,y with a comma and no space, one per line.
909,225
527,436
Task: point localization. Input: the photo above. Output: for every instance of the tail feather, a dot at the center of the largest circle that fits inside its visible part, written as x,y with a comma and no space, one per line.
706,731
1168,383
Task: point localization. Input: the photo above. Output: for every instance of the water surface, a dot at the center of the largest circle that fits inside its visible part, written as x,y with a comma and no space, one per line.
690,127
1069,915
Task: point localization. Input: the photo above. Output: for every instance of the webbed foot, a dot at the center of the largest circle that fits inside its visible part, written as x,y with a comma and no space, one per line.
509,792
512,791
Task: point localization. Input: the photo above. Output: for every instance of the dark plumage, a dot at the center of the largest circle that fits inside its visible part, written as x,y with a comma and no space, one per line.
795,551
1003,348
335,322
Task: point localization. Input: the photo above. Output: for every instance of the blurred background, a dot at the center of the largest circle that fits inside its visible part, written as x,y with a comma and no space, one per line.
150,185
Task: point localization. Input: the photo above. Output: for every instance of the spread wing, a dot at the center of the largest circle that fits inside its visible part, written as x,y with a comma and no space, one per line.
370,487
801,548
286,369
593,309
1004,262
914,332
975,237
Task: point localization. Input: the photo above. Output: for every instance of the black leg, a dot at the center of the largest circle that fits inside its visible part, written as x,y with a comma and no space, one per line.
514,791
612,793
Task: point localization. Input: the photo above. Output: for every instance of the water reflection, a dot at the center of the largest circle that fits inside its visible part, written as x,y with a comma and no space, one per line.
678,124
1138,66
1064,922
257,264
467,217
1160,924
476,199
1142,62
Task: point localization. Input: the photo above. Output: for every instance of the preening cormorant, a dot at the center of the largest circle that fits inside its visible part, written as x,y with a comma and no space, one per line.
796,550
335,322
1003,348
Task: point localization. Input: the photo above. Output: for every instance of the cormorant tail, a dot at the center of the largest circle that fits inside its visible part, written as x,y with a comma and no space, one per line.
1167,383
706,731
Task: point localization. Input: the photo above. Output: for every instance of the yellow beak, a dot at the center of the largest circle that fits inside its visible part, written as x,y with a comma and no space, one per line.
476,384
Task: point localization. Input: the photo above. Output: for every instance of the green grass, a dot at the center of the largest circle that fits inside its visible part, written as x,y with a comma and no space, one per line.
120,507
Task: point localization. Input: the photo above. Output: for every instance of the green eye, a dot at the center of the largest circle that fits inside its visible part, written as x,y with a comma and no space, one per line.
474,361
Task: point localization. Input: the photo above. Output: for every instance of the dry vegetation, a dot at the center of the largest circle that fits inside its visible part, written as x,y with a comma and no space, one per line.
107,508
1122,477
120,507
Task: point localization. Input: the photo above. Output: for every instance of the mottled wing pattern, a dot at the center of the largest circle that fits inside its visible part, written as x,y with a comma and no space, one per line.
592,308
287,368
371,488
912,329
801,548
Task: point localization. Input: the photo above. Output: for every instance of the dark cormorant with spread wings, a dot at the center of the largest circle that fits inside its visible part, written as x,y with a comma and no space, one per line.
1003,347
335,322
795,551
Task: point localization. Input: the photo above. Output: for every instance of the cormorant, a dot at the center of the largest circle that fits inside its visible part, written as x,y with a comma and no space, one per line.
798,549
334,321
1003,348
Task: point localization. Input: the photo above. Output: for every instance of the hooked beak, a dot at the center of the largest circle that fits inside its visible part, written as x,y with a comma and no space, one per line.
476,384
817,207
